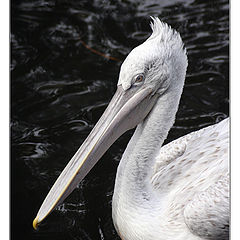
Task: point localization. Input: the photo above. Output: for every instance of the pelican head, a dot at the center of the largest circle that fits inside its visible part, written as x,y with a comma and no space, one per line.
156,62
148,72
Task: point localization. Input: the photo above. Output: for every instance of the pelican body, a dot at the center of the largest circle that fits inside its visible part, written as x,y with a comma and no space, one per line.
179,191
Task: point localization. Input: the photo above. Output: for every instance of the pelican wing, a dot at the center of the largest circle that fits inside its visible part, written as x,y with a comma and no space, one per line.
191,176
194,155
207,214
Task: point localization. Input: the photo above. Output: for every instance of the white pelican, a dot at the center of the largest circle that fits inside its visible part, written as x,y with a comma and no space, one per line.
179,191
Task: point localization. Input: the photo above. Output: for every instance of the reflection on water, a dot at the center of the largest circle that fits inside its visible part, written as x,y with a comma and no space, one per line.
60,87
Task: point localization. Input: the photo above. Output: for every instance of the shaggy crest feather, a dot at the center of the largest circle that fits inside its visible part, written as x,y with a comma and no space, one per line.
163,32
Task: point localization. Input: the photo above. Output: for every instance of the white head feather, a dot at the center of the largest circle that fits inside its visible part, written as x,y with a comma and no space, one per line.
161,59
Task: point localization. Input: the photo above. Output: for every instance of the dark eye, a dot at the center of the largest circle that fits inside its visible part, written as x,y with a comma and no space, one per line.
139,78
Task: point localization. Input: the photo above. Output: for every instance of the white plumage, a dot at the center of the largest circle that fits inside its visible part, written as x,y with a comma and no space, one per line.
179,191
187,196
193,170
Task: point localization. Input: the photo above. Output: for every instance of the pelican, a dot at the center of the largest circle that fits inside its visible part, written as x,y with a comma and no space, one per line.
178,191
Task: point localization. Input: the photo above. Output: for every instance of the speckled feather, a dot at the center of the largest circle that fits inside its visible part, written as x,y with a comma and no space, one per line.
193,170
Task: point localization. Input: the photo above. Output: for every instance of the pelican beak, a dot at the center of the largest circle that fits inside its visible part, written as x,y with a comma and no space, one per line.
126,110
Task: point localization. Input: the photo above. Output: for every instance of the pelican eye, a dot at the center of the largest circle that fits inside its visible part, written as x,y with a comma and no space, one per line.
139,78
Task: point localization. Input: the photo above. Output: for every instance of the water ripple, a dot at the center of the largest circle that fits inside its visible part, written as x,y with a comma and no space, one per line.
59,89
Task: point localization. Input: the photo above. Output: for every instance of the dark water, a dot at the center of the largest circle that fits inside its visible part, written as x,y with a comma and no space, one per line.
59,88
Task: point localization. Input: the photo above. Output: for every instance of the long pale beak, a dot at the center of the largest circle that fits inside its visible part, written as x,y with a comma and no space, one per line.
125,111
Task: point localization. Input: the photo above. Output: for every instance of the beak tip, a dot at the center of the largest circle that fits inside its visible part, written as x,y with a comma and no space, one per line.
35,223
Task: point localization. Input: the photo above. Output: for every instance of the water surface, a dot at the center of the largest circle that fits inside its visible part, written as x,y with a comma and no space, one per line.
60,87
